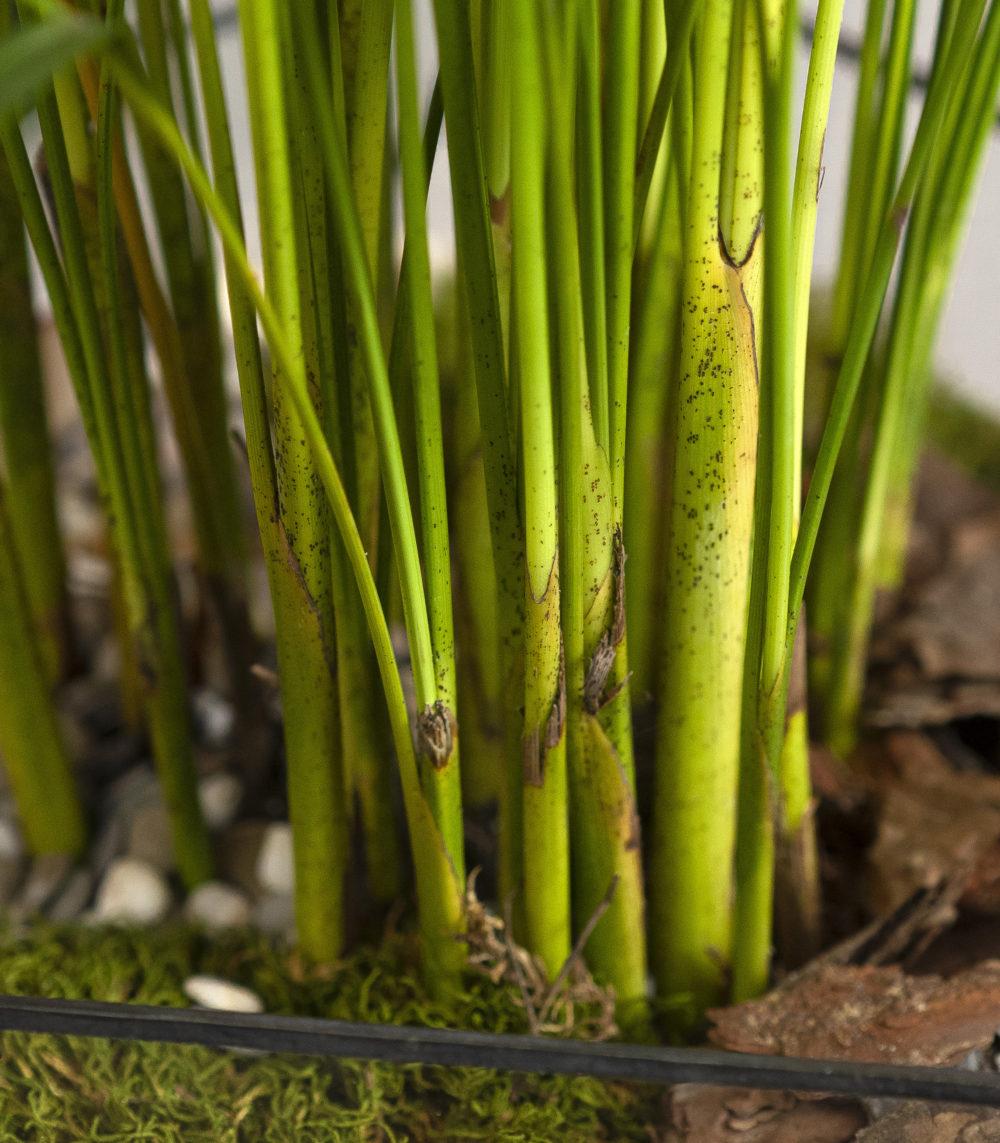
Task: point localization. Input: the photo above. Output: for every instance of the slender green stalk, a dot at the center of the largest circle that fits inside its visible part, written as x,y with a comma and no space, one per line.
870,301
25,445
925,259
590,191
198,416
439,720
681,23
742,175
950,180
482,703
852,251
153,611
888,130
475,252
707,575
366,92
620,143
439,890
652,388
33,751
61,298
441,778
797,874
605,835
202,419
546,822
495,73
107,414
806,190
496,95
365,750
652,56
315,785
621,115
774,526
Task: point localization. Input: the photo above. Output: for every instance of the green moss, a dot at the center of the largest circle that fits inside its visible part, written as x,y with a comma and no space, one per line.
69,1088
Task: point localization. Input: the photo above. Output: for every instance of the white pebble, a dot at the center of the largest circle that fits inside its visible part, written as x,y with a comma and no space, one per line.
275,867
213,992
132,892
217,906
11,842
215,717
219,795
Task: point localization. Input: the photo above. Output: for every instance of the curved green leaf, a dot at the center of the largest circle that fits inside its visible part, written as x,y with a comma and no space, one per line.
31,56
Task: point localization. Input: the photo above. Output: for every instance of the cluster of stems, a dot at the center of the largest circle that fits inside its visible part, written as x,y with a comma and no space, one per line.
572,482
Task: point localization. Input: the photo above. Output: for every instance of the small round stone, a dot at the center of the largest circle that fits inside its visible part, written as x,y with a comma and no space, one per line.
214,716
220,795
11,842
275,867
132,892
222,995
217,906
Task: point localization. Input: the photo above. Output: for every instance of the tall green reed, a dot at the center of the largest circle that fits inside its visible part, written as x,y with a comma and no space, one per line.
634,219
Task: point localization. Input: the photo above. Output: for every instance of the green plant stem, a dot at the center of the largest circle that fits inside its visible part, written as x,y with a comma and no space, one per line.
652,56
590,192
366,93
939,221
925,260
203,416
775,525
872,295
475,252
621,114
648,461
797,890
199,421
681,23
153,612
315,784
806,190
605,836
495,73
366,750
441,720
34,755
888,128
440,776
742,175
707,574
496,95
619,146
439,890
481,700
146,584
546,822
25,445
852,252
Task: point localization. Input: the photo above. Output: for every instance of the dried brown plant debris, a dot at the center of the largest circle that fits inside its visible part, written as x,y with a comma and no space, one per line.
571,1005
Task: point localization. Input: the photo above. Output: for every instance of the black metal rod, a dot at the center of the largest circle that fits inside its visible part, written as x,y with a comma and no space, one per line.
543,1056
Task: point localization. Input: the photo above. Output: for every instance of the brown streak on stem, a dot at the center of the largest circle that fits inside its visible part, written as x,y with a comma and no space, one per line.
595,696
436,728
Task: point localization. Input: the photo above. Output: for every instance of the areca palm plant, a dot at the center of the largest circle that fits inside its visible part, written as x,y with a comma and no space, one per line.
570,470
